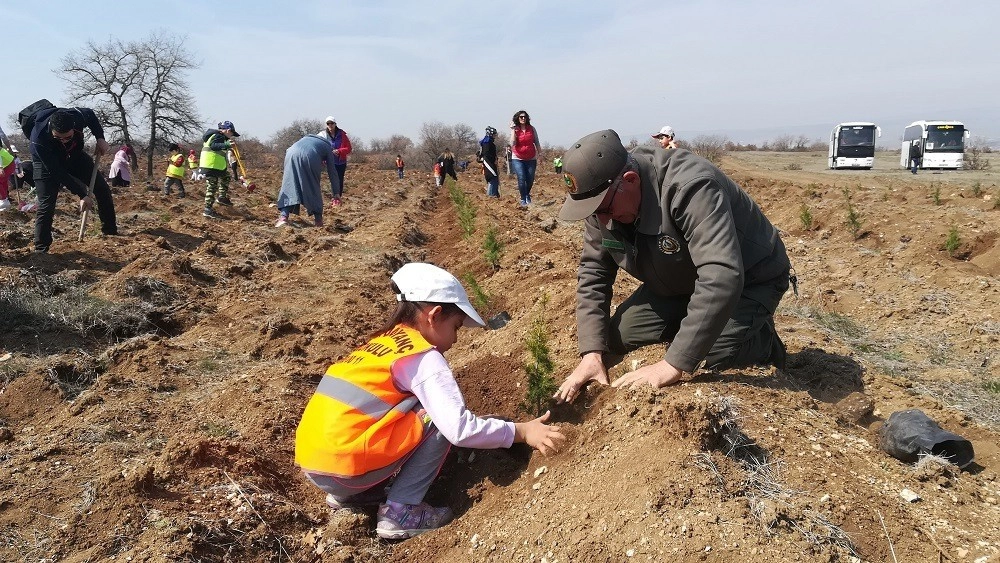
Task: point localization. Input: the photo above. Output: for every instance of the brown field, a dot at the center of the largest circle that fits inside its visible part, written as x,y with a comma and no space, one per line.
150,384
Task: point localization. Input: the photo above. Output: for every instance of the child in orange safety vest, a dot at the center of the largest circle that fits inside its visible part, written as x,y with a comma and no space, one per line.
392,407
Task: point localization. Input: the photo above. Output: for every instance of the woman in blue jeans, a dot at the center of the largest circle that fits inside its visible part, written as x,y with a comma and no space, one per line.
525,149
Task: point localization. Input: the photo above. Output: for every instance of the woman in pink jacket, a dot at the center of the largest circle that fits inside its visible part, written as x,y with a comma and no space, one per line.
525,149
120,173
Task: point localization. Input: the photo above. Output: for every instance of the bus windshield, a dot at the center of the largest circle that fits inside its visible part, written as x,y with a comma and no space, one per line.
857,136
945,138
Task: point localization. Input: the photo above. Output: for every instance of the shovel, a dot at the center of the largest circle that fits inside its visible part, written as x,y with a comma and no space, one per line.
90,189
250,186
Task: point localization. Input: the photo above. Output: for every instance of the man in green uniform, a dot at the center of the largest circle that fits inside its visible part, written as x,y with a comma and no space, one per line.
712,267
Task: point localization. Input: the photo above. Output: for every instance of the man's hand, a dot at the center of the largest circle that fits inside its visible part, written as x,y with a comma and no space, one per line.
659,374
590,368
86,204
102,147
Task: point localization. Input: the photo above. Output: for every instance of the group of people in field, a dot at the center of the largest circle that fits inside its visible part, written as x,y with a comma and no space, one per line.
59,159
377,429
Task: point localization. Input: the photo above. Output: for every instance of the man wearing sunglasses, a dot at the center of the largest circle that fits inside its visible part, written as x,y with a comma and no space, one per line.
712,266
59,159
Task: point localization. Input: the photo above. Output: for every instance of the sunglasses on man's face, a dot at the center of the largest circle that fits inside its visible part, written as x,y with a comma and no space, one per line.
616,186
63,137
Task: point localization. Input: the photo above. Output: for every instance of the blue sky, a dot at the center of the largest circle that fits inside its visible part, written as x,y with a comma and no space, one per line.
749,70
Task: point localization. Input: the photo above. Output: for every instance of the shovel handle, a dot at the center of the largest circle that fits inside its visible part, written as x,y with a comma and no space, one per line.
90,189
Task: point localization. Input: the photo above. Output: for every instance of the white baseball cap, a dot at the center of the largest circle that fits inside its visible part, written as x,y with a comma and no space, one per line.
418,281
330,118
665,131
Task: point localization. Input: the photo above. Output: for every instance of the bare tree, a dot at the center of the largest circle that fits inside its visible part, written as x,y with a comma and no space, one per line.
299,128
396,144
435,137
711,147
133,84
171,109
975,154
108,76
782,143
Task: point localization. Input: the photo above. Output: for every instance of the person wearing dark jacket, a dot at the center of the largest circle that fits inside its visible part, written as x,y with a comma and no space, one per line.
712,266
488,156
59,159
215,166
914,156
447,160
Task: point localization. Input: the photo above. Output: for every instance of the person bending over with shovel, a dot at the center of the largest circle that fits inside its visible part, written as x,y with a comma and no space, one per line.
59,159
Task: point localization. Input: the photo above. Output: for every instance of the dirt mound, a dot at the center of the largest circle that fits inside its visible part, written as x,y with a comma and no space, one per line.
152,382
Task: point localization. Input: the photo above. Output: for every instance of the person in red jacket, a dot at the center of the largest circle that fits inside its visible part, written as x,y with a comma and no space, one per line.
341,147
525,148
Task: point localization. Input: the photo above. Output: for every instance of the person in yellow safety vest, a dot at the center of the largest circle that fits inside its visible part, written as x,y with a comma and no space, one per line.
175,171
196,174
557,164
392,407
215,167
7,170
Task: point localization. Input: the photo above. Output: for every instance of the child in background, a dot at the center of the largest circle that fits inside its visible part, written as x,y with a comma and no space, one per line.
175,171
487,154
120,173
7,169
392,407
437,173
193,165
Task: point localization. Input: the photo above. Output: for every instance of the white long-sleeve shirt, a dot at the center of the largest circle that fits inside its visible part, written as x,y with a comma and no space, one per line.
428,376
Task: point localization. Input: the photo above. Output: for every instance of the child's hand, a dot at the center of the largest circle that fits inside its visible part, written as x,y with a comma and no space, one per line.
543,437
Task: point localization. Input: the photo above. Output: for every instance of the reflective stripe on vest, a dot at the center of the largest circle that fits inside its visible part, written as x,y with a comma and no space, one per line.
360,399
357,421
216,160
173,170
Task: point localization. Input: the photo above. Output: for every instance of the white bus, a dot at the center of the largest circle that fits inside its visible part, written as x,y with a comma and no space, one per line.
942,144
852,145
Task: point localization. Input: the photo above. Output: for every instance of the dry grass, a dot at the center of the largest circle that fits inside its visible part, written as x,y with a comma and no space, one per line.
68,308
767,497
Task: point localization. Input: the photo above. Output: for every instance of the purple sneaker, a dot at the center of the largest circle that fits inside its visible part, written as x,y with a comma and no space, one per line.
410,520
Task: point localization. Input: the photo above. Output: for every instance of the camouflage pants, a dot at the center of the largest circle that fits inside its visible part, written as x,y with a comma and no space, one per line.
218,187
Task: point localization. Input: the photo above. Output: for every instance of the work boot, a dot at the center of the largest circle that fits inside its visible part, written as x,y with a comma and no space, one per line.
779,354
180,194
410,520
208,212
224,201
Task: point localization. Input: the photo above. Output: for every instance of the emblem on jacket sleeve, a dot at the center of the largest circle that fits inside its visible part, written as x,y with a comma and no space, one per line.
668,244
